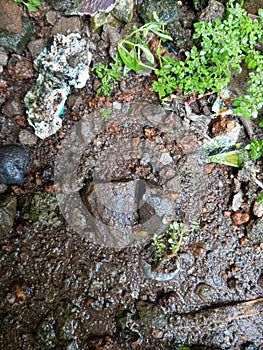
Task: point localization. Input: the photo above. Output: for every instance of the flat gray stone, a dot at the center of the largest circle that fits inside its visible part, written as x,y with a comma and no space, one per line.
7,212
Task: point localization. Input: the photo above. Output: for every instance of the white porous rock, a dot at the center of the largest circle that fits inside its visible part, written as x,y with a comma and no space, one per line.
62,64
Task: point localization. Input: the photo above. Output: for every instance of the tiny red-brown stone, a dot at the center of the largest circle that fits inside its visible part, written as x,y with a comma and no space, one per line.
239,218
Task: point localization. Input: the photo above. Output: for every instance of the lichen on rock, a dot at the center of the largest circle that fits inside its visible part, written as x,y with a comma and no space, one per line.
40,208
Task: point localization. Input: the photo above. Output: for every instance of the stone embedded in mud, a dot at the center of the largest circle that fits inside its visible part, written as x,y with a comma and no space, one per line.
240,218
13,160
57,328
150,315
64,63
128,158
7,212
112,203
203,290
125,211
168,301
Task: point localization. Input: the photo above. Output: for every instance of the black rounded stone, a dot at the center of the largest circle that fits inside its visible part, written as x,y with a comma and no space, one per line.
13,160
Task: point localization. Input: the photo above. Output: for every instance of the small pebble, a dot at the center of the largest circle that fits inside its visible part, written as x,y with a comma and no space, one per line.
3,188
240,218
157,334
20,67
258,209
237,200
242,240
203,290
51,17
3,57
208,168
7,212
27,138
36,47
11,298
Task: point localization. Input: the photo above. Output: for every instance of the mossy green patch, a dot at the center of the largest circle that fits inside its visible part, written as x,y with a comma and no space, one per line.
41,208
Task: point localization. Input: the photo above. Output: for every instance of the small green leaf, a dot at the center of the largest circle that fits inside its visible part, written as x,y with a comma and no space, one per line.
31,7
149,56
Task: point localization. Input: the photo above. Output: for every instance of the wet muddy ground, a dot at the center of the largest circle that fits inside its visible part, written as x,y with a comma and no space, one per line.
61,288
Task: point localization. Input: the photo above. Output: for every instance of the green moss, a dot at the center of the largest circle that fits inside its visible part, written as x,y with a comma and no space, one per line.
40,208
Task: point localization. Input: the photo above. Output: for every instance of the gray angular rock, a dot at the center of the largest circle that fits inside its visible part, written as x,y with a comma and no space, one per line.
10,16
13,160
66,26
7,212
27,138
36,47
17,42
125,211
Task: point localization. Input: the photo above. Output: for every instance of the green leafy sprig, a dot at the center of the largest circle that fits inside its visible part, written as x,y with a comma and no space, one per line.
169,243
30,4
108,75
223,46
256,148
